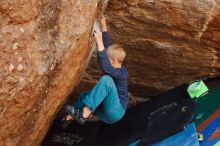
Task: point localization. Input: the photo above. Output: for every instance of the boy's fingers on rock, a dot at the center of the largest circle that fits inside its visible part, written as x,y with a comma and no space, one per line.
98,30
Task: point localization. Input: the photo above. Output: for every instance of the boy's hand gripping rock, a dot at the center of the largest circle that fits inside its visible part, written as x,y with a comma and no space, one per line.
98,37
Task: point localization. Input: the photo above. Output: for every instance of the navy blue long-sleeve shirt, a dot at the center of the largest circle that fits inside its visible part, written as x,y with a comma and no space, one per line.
119,75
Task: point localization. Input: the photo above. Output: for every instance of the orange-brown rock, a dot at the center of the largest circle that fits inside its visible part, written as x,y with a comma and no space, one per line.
168,42
44,47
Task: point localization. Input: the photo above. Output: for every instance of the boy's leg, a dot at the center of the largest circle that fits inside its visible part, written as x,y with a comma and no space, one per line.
105,93
79,102
99,92
111,110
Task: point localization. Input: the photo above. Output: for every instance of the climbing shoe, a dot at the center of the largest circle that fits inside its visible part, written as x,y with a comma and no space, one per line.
76,113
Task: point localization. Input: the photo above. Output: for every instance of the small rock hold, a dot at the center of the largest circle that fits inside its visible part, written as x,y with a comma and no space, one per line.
20,59
21,79
55,27
62,41
2,111
21,29
15,46
11,67
52,67
20,67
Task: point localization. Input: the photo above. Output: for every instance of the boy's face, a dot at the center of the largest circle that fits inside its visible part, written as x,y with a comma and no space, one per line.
111,61
114,62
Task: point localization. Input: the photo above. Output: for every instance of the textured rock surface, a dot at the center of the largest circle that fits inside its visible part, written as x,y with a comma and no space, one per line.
45,45
168,42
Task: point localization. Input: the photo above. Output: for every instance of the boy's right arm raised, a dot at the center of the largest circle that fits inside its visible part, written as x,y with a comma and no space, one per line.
103,59
105,34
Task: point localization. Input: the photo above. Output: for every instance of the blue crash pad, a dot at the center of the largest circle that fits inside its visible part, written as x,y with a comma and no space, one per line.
208,131
186,137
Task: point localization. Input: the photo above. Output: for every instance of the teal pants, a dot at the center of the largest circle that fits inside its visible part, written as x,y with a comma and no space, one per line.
103,100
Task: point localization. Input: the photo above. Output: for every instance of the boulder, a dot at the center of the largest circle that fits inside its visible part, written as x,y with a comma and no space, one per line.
45,46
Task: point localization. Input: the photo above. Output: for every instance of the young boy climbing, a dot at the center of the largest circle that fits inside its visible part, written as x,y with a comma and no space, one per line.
108,99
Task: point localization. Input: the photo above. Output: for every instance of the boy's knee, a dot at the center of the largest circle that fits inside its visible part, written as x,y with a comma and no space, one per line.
106,78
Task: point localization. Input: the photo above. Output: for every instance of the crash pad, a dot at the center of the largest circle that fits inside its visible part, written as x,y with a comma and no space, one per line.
207,117
187,137
207,105
150,121
211,129
145,122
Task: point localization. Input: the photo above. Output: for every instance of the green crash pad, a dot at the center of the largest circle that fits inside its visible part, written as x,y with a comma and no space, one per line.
197,89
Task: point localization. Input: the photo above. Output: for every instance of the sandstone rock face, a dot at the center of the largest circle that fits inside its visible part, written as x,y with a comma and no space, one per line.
44,47
168,42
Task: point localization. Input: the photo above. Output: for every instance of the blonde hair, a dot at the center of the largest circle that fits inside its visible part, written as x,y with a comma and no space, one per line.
116,51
